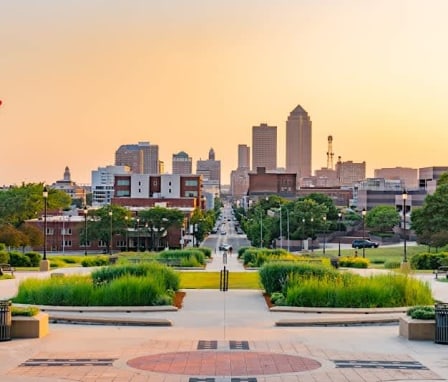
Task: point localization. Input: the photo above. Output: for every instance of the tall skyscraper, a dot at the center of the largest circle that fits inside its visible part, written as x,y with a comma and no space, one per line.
142,158
243,156
264,147
182,163
298,143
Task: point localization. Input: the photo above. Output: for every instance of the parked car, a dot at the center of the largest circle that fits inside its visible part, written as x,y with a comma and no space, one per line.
364,243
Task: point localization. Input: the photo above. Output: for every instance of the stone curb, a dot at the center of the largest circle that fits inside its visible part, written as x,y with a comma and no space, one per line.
342,321
103,309
294,309
131,321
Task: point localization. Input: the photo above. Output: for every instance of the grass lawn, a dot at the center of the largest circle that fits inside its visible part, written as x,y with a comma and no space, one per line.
378,256
210,280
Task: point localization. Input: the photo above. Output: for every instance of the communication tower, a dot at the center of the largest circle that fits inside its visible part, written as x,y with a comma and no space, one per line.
330,153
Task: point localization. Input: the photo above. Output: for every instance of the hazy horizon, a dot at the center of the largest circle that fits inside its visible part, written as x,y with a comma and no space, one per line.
81,78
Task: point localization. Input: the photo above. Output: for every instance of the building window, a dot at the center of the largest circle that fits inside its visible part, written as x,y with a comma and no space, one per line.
66,231
122,193
191,183
50,231
102,244
169,183
123,182
169,191
191,194
67,243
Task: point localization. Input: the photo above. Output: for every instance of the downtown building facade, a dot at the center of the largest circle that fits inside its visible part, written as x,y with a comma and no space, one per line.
182,163
299,143
141,158
239,178
264,147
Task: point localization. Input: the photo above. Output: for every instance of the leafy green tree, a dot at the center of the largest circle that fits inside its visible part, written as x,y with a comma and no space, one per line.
159,220
106,221
432,217
12,237
20,203
382,219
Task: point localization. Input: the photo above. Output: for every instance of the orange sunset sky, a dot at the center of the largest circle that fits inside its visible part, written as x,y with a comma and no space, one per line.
80,78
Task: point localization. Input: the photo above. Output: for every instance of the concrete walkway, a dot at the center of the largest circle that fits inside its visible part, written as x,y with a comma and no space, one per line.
238,338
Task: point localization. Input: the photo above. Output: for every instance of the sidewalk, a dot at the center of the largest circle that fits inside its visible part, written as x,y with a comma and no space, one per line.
240,340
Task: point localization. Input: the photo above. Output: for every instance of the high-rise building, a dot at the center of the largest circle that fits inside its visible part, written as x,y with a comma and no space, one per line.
142,158
210,169
243,157
131,156
264,147
298,143
182,163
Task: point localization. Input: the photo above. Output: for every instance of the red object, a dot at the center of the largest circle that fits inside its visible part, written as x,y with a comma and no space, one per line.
0,102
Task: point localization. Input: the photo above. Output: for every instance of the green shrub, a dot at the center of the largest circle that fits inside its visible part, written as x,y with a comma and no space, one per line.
278,298
354,291
186,257
4,257
35,258
95,261
377,261
2,247
274,276
428,260
353,262
426,312
392,264
241,251
18,259
29,311
167,276
127,290
206,251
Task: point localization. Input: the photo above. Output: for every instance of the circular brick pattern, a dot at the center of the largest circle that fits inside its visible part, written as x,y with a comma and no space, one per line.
216,363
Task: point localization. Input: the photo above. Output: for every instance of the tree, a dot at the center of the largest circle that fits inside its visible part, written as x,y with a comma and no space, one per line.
107,221
159,220
432,217
382,219
18,204
12,237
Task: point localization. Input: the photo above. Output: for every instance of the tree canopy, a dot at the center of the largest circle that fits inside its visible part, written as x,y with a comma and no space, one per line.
382,218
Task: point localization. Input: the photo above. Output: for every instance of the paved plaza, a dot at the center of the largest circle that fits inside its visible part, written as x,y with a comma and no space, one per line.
221,336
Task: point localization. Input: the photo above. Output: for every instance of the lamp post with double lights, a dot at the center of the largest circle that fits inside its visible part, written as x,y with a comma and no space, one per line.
363,231
110,233
339,233
281,228
86,211
45,264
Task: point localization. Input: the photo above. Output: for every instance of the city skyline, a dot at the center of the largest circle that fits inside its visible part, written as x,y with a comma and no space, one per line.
80,79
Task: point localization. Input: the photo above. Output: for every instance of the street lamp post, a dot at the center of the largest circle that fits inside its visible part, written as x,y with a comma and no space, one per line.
126,218
45,264
312,234
364,231
281,229
405,197
85,230
303,234
138,235
325,231
287,226
339,233
110,233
